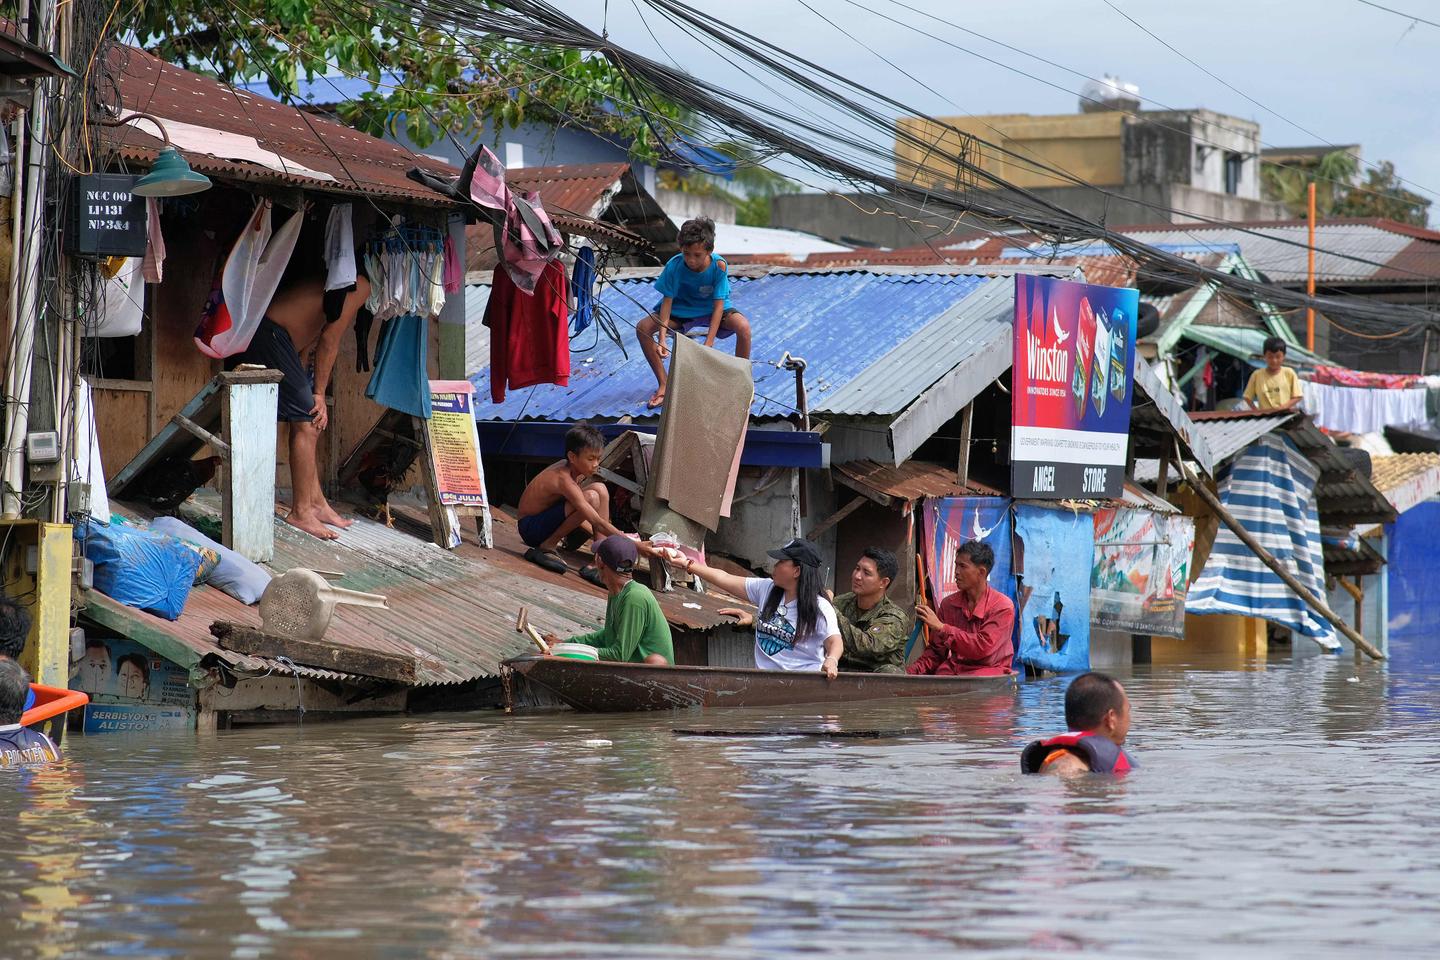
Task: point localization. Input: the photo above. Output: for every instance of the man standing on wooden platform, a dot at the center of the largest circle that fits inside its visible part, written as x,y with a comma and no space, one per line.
300,336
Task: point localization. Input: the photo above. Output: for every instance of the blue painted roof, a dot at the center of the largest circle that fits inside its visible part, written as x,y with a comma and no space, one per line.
851,329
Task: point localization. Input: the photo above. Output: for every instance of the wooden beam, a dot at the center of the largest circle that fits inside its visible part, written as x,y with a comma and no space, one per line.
835,518
311,653
1162,483
201,434
1267,558
962,468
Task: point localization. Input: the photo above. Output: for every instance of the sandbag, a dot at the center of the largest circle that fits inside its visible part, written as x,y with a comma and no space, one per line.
243,579
139,568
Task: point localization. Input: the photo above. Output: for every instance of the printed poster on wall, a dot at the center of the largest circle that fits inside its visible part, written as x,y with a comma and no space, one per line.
1071,389
1052,584
131,688
455,444
951,521
1141,572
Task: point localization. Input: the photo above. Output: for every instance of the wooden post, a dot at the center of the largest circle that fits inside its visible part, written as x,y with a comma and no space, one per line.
1310,274
247,470
1359,610
962,466
1162,483
1267,558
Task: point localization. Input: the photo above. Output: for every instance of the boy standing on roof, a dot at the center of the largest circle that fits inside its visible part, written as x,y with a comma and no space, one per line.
1276,387
694,289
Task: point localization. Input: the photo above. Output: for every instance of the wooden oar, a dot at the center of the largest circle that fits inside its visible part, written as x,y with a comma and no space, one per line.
522,625
924,592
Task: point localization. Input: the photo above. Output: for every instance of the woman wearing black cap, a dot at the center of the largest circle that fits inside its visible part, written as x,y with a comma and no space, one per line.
796,627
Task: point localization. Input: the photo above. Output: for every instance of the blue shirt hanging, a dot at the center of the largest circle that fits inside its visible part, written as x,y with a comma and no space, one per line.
582,288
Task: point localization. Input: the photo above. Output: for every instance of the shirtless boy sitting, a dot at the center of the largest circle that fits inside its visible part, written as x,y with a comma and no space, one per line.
555,504
303,328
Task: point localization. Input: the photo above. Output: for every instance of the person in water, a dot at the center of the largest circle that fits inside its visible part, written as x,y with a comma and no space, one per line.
1098,715
635,629
796,627
19,746
14,632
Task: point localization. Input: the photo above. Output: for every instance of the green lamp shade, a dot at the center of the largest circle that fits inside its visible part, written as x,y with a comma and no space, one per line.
170,176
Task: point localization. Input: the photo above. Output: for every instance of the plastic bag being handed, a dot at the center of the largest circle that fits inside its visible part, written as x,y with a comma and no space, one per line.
139,568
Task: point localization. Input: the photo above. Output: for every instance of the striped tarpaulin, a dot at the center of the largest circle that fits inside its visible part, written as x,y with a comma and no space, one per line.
1270,489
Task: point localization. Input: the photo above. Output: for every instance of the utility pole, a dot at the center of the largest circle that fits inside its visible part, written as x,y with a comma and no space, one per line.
1310,274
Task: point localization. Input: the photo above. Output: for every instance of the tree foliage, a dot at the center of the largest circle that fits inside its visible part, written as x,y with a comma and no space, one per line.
424,83
1340,193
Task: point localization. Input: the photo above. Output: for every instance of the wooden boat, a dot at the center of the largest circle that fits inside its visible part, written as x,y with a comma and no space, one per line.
607,687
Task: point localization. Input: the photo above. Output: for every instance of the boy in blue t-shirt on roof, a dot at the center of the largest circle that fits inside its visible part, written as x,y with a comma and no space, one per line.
695,291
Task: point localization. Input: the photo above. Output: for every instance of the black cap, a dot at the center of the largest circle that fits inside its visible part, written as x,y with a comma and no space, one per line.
617,552
802,552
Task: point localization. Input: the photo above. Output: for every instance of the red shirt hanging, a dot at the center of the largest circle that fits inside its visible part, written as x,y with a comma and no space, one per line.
529,335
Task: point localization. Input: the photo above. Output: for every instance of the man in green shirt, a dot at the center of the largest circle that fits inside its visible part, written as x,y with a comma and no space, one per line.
873,627
635,629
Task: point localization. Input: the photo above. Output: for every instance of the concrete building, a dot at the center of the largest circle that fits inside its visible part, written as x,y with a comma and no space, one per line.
1153,166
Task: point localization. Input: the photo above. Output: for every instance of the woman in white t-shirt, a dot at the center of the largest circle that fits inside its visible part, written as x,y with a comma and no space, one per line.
795,628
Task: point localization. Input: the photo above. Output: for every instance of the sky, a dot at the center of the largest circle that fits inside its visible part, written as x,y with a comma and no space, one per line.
1308,71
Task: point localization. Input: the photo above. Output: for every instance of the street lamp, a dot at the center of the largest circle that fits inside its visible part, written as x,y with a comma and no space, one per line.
170,175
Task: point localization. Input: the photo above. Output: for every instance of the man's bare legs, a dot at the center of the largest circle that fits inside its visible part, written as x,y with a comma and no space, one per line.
311,510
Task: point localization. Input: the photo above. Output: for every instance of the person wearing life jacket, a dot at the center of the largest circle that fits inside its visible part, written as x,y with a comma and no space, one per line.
1098,715
19,746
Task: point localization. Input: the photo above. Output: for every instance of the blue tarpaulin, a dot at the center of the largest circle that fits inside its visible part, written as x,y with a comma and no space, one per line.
1270,489
1053,573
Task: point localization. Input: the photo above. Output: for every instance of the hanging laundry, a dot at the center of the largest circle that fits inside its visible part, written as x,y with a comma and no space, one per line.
401,381
340,248
247,284
406,267
524,235
154,265
529,339
1363,409
120,311
454,269
582,288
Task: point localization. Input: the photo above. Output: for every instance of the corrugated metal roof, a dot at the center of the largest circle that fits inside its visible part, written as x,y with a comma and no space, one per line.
1406,479
893,334
910,481
1247,344
359,163
1398,252
1228,435
452,611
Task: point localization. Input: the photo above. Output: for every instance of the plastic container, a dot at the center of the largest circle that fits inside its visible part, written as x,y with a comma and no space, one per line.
51,702
575,651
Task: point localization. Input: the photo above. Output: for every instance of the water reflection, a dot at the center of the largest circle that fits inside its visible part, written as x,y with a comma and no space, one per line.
1278,813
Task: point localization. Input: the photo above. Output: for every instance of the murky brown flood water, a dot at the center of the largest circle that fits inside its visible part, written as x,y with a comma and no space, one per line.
1281,813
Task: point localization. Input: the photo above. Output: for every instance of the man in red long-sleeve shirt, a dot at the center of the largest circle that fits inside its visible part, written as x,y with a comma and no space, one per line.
972,632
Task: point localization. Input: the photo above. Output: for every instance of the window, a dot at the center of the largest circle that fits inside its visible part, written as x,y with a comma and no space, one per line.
1234,164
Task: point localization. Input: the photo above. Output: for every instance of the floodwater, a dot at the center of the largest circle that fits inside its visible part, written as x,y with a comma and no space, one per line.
1288,811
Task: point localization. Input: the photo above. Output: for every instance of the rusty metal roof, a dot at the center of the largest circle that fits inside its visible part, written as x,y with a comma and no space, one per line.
1406,479
359,163
908,482
453,611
